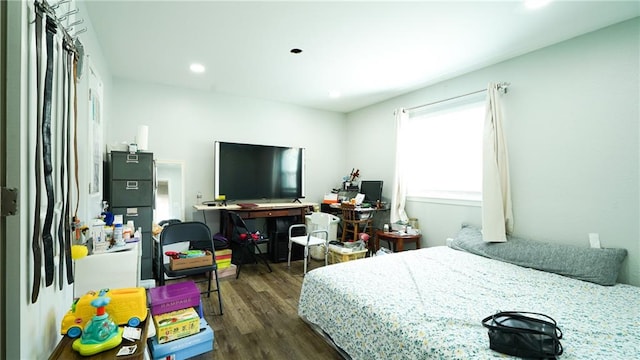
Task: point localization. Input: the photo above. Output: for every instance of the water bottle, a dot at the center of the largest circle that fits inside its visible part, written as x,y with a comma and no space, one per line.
117,234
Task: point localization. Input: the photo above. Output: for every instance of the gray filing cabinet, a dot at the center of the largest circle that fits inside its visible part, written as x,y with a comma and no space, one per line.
130,190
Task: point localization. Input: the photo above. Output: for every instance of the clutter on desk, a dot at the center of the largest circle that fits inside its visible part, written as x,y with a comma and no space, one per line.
331,198
404,227
350,182
109,233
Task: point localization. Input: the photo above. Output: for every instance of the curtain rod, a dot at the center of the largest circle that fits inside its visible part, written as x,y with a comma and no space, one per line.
502,87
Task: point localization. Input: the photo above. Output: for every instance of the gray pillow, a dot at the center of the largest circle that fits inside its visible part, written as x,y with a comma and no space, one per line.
600,266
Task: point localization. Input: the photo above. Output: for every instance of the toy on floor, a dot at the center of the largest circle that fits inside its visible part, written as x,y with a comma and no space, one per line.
101,333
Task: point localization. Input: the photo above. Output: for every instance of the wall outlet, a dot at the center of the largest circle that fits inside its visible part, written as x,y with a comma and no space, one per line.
594,240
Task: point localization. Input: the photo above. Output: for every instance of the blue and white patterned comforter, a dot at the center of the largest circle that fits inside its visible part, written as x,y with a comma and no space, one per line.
429,303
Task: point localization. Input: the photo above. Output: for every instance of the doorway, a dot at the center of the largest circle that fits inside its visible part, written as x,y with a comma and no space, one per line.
169,191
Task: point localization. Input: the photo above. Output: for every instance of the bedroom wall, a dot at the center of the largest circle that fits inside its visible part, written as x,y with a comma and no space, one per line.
183,125
41,321
572,130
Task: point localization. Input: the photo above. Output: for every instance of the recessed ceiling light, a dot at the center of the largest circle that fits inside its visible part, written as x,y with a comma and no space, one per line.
295,51
197,68
535,4
334,94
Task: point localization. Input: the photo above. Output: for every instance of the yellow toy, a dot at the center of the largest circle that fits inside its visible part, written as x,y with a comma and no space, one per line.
126,306
101,333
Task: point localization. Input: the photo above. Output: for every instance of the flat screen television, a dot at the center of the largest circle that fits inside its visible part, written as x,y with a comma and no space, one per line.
258,172
372,190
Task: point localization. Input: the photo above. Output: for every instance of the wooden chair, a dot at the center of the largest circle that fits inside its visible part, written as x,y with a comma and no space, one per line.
353,223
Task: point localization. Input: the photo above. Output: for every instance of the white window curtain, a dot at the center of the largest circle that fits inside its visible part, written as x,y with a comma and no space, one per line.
497,214
399,194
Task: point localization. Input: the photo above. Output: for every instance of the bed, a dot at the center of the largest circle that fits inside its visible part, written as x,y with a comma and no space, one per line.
429,303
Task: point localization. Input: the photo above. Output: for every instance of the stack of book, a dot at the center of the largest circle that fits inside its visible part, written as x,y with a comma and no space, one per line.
181,330
225,267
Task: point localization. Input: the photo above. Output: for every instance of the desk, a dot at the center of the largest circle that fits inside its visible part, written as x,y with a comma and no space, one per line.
280,217
261,211
397,239
64,350
268,210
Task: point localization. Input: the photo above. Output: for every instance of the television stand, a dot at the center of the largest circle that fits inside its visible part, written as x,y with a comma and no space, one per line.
297,200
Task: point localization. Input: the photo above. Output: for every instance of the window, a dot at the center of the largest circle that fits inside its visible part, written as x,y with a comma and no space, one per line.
443,143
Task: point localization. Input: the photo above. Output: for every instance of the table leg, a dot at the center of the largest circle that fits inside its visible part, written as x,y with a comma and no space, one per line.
399,244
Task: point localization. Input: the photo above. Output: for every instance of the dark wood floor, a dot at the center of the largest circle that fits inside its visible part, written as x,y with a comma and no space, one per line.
260,318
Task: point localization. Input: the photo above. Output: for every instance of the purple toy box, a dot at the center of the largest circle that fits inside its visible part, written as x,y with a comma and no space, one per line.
173,297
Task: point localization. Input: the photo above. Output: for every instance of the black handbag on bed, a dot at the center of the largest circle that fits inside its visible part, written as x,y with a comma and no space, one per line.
524,334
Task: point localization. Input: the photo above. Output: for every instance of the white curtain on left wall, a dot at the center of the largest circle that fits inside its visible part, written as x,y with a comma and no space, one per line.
497,213
399,194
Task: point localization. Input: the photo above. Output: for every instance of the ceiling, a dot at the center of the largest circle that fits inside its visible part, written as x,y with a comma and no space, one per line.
369,51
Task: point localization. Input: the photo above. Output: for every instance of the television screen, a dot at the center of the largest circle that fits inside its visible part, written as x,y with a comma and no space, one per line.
372,190
257,172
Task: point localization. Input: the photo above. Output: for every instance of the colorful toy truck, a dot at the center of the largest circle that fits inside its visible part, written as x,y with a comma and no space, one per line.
127,306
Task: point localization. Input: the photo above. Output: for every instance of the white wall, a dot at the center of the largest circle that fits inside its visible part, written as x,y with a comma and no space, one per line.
572,131
183,125
35,328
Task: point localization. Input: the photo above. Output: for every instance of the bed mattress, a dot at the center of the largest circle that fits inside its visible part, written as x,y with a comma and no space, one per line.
429,303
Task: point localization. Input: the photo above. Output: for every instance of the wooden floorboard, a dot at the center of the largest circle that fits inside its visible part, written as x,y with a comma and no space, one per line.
260,318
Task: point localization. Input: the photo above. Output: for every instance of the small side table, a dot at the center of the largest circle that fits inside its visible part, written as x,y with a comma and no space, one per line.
397,239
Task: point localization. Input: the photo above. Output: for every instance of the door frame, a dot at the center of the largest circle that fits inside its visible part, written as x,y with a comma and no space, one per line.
11,112
3,158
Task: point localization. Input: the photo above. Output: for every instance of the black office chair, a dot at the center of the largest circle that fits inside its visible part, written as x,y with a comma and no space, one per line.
199,237
246,242
168,222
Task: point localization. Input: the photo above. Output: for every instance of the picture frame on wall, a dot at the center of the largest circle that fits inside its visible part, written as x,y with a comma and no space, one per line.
95,132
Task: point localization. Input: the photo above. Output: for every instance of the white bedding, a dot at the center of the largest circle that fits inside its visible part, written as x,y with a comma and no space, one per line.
429,303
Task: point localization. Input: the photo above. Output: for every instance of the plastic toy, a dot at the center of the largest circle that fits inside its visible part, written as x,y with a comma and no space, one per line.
126,306
185,254
100,333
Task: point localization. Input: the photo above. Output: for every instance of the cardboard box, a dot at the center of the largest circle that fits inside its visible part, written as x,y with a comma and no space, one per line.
188,263
228,272
186,347
174,297
223,259
176,324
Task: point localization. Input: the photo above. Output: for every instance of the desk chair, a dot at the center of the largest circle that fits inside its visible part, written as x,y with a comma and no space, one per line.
321,222
354,224
199,237
246,242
